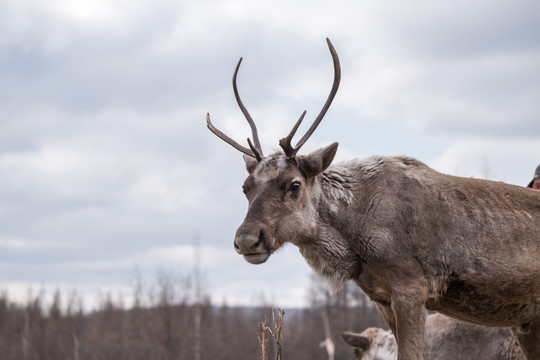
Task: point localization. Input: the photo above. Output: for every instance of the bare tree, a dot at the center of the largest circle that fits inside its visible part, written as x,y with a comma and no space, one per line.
198,301
328,342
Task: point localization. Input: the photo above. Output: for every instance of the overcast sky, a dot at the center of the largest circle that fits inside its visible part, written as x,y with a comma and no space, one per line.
107,168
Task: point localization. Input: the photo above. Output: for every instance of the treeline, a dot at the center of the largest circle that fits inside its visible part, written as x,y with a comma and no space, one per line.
167,323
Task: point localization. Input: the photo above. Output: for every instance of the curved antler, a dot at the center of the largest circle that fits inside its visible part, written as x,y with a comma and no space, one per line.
246,114
254,150
285,143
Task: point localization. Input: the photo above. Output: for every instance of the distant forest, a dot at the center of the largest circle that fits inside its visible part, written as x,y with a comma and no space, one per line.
174,322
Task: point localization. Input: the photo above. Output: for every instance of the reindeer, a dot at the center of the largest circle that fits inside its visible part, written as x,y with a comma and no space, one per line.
410,237
445,339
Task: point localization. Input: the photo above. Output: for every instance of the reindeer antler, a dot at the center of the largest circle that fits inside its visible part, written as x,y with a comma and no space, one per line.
285,143
257,150
254,150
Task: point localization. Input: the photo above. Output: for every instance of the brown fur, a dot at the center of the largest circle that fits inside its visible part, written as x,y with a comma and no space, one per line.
445,339
410,237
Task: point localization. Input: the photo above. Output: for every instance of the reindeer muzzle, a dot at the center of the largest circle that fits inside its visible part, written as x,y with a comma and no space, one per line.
252,246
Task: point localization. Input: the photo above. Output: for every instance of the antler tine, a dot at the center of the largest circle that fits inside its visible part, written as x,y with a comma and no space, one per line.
285,143
246,113
335,86
253,152
258,156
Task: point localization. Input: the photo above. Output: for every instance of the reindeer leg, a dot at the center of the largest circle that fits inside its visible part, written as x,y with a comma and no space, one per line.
406,320
528,337
410,317
388,315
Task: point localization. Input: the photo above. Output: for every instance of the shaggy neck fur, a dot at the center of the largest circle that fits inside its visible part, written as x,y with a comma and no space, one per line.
330,253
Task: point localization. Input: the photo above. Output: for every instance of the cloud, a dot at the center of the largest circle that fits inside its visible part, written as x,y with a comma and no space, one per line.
487,159
106,161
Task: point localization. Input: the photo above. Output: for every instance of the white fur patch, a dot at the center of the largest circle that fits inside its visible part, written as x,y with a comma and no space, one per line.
383,347
269,167
281,162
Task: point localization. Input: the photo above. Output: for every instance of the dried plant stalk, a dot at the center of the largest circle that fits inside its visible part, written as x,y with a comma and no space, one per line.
275,330
263,341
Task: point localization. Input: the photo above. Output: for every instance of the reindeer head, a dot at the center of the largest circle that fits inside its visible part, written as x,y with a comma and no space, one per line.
372,344
281,188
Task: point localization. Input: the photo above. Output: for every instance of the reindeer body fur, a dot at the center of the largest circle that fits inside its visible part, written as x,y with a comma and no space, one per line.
459,237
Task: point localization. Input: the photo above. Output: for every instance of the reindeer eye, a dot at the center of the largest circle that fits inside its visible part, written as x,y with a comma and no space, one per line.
295,186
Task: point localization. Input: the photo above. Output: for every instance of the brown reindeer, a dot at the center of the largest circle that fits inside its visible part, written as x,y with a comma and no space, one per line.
445,339
410,237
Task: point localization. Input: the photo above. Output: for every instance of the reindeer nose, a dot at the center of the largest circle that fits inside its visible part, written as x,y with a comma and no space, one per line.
246,243
252,246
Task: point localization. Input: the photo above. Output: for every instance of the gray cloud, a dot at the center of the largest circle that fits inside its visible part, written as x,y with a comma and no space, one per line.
106,161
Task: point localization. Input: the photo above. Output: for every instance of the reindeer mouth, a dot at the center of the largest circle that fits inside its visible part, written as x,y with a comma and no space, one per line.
256,258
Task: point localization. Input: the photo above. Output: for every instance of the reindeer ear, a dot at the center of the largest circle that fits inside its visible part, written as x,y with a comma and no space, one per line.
356,340
316,162
251,163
